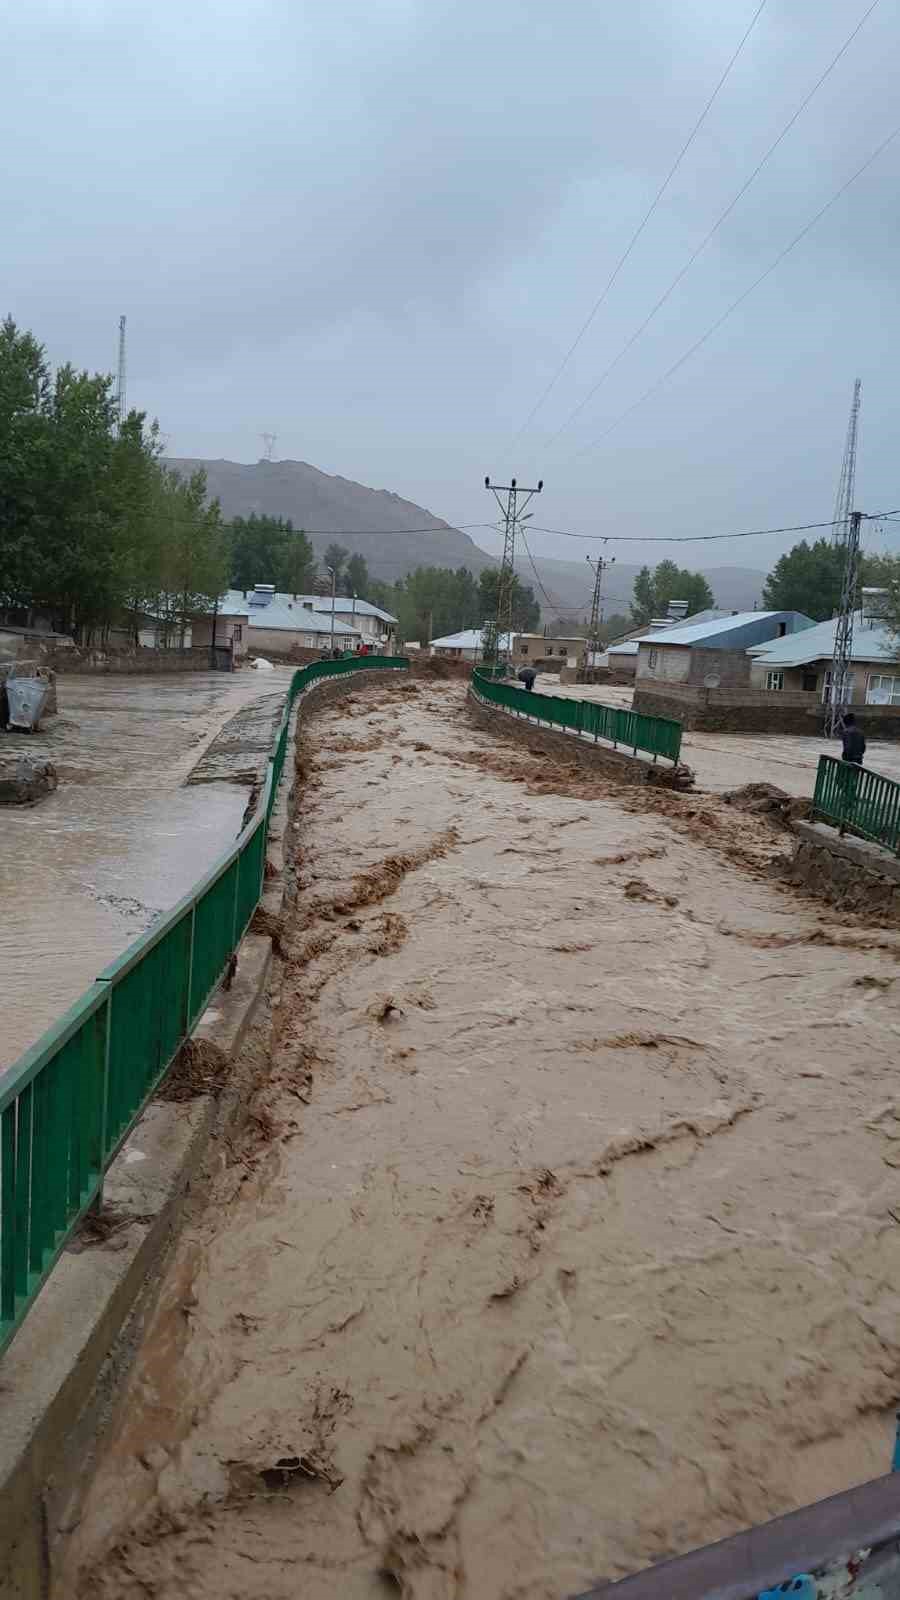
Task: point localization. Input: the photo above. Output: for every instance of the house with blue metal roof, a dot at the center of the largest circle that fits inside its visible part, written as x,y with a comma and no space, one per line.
668,657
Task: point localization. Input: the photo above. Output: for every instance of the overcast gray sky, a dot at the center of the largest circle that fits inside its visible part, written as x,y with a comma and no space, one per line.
375,226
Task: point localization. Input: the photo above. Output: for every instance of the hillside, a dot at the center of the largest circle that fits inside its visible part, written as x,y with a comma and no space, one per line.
333,507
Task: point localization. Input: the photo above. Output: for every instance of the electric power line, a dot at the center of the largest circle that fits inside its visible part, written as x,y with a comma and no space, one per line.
714,229
704,538
639,230
698,343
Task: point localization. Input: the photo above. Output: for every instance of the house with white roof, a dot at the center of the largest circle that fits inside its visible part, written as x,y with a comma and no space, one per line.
801,663
278,622
468,645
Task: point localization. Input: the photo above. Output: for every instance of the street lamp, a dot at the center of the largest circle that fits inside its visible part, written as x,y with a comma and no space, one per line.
333,573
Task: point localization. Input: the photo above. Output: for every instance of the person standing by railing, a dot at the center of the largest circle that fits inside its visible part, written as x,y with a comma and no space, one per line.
853,741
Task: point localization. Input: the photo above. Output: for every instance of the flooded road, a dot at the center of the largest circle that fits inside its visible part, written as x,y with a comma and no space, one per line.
728,760
562,1236
85,871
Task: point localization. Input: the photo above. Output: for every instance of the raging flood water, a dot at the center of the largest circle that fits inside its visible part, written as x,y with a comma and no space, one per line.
562,1235
125,835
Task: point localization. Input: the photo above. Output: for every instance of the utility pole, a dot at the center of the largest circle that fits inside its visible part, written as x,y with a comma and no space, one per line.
597,568
842,660
121,411
494,628
846,493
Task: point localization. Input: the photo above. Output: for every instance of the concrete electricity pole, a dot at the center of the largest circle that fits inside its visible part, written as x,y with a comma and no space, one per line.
494,628
597,568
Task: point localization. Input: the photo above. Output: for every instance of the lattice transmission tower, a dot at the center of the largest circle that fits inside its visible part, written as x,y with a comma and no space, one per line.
846,492
493,642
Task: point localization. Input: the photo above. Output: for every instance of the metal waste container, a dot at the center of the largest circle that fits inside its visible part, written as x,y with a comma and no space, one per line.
27,701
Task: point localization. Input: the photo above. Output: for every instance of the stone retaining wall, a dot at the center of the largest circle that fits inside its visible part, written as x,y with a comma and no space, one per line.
846,872
568,747
751,711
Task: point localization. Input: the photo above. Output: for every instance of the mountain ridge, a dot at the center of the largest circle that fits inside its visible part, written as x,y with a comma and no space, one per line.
396,535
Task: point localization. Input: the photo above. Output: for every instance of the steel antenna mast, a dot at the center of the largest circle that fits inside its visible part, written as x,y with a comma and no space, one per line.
511,511
121,410
846,492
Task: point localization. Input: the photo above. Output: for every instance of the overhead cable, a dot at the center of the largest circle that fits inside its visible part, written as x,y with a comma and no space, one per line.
698,343
714,229
639,229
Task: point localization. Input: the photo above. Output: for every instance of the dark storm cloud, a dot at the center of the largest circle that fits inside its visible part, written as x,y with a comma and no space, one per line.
376,228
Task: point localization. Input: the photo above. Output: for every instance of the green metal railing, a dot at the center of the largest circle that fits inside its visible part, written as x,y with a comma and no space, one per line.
853,798
69,1102
658,736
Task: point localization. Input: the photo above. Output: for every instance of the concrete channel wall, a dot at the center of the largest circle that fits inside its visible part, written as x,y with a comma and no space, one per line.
60,1376
567,746
846,872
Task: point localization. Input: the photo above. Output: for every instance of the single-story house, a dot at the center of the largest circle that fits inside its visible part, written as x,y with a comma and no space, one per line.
377,627
802,662
669,657
277,622
231,628
548,651
621,655
467,645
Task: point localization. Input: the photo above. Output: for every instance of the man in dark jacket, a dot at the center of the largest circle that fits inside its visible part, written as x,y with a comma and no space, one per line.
853,741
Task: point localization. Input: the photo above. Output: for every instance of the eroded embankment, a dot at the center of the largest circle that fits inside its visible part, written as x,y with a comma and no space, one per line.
563,1235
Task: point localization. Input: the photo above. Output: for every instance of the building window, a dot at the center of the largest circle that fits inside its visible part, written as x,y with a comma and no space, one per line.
524,649
882,690
810,681
782,629
652,659
549,649
774,682
238,633
564,649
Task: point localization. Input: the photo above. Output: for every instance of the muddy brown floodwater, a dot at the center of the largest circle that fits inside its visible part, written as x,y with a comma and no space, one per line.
563,1234
125,835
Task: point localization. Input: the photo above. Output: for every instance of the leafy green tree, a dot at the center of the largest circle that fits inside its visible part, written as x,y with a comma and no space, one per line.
258,548
335,556
24,451
613,627
807,578
654,590
356,577
526,612
297,566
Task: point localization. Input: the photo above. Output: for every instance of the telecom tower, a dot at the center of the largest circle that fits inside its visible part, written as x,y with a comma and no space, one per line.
495,628
843,504
845,535
121,409
593,639
268,440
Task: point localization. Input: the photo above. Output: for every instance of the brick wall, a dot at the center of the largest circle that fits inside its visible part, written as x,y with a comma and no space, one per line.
731,667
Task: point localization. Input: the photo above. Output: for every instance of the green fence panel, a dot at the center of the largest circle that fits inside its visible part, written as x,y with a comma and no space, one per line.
657,736
854,798
69,1102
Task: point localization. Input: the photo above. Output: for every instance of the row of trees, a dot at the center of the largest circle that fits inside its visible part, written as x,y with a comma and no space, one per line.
93,528
810,578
